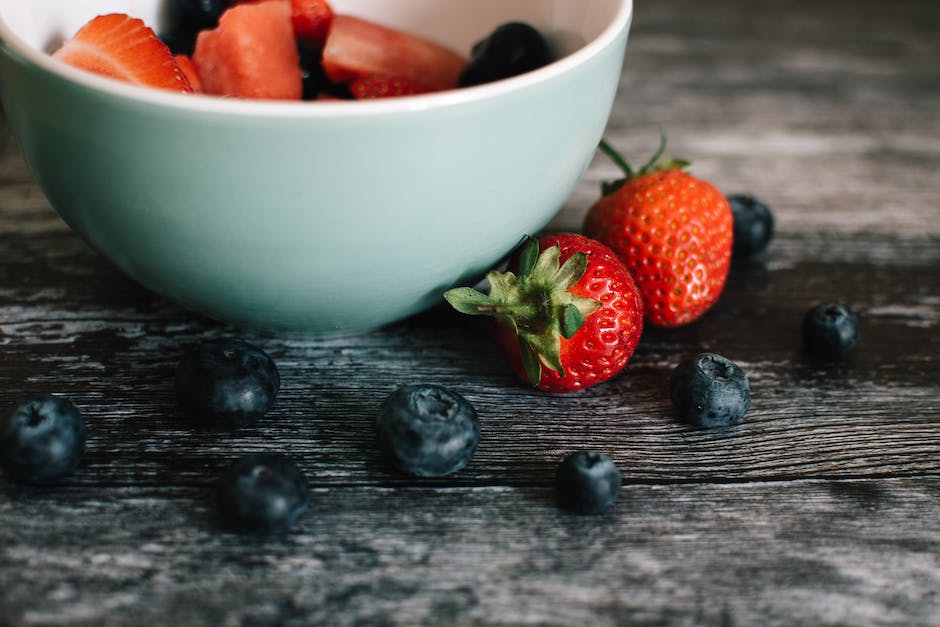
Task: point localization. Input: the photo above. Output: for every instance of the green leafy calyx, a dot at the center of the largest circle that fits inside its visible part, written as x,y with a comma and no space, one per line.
537,304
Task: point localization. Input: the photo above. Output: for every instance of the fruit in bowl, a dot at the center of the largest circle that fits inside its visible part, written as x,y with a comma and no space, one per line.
316,218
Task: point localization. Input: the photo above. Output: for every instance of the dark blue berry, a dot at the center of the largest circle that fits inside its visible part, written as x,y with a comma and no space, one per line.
226,384
710,391
587,482
187,18
263,493
195,15
427,430
830,330
42,439
753,226
511,49
315,81
314,78
180,40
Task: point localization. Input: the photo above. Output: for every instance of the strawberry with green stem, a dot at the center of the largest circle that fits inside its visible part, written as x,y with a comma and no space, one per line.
569,319
673,232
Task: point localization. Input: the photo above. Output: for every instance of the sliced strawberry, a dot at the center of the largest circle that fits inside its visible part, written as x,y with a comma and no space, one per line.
311,19
356,47
369,87
189,69
251,53
121,47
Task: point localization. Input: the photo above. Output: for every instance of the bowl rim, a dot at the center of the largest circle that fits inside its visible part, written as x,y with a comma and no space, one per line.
306,109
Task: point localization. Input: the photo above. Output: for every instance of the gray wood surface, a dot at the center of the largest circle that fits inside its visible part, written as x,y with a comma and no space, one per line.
822,508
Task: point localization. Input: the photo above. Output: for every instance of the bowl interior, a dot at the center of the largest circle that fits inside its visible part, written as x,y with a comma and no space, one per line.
570,24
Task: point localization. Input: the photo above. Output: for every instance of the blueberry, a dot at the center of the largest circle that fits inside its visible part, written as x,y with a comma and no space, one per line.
427,430
710,391
511,49
42,439
587,482
315,81
195,15
830,330
226,384
753,226
263,493
180,40
314,78
187,18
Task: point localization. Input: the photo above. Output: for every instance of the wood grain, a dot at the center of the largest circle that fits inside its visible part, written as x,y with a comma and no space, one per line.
822,508
791,553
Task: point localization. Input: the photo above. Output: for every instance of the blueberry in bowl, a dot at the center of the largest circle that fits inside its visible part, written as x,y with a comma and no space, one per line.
42,439
187,18
511,49
710,391
427,430
198,14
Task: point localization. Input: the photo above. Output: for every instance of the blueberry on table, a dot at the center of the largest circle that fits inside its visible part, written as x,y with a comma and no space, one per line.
710,391
830,330
511,49
226,384
264,493
753,226
427,430
587,482
42,439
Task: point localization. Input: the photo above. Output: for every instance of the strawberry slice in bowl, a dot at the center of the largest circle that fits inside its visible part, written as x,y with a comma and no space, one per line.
251,53
356,47
311,20
124,48
375,86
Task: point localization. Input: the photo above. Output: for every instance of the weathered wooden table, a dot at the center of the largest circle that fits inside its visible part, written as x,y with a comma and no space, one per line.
823,507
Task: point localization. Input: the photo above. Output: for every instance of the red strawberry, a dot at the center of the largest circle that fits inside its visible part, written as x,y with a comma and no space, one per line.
252,53
189,69
121,47
368,87
311,19
356,47
569,320
672,231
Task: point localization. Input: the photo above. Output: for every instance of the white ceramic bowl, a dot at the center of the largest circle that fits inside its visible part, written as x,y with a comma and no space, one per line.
327,217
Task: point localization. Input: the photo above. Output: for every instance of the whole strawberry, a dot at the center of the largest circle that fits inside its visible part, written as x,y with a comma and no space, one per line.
570,319
672,231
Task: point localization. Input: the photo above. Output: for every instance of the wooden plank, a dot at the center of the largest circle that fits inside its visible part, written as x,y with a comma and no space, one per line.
111,346
802,552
